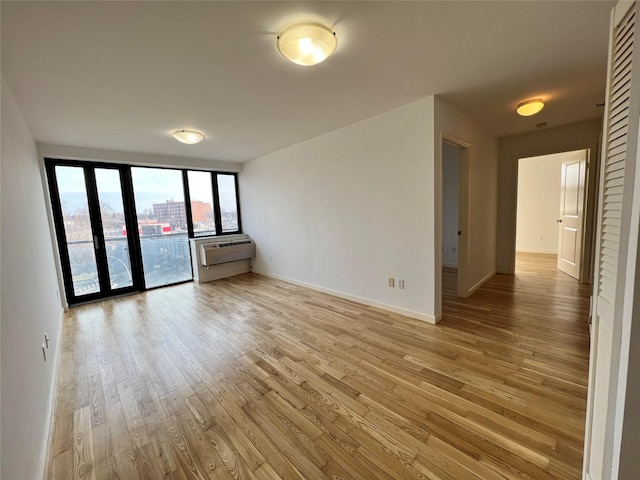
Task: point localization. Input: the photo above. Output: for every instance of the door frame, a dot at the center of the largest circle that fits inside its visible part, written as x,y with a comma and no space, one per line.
582,273
510,168
135,255
463,216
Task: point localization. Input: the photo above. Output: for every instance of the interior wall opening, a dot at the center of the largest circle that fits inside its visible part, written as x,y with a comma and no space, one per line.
551,211
454,218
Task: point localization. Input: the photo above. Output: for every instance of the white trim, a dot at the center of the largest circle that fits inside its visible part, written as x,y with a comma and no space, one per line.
453,140
464,216
354,298
621,9
480,283
51,404
542,252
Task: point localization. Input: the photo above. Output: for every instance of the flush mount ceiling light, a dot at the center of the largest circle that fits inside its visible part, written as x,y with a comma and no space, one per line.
307,43
188,136
530,107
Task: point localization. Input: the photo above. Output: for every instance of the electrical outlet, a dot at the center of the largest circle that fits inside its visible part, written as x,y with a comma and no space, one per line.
540,237
454,249
392,282
401,284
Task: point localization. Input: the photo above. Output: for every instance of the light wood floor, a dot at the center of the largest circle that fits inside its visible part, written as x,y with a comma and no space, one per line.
250,377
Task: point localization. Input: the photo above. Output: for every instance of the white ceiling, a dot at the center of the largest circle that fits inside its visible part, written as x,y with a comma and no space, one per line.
123,75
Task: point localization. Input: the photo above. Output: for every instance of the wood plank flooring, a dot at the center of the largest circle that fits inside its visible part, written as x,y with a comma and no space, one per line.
254,378
449,281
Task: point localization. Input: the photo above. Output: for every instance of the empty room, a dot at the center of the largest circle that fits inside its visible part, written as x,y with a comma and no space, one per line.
319,240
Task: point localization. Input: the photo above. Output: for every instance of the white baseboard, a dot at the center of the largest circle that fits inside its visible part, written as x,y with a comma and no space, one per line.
364,301
480,283
545,252
51,404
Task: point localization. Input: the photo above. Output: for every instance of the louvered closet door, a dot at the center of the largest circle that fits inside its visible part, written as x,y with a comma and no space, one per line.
604,355
615,156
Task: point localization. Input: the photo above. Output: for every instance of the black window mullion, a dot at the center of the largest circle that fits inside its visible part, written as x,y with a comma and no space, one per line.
217,214
235,176
187,203
131,222
56,206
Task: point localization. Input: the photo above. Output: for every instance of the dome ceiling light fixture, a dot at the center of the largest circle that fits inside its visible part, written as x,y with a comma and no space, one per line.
189,137
530,107
307,43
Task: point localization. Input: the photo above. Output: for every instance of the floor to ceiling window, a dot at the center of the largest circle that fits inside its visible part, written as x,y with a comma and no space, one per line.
124,229
162,225
91,214
113,221
78,236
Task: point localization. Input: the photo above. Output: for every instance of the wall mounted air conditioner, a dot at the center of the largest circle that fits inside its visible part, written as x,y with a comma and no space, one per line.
226,251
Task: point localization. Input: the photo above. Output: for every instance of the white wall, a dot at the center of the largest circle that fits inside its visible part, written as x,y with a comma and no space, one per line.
539,201
30,306
344,211
481,200
450,194
577,136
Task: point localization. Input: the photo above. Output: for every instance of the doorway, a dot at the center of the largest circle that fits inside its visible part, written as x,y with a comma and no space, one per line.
91,213
454,217
120,229
550,214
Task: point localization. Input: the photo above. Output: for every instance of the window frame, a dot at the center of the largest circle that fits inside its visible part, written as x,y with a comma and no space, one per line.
217,211
237,197
129,205
133,242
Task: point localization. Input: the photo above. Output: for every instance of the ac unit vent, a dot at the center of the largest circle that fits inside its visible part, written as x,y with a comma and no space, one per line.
239,242
224,252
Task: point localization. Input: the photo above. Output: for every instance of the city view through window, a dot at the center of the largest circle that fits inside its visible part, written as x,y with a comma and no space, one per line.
228,204
112,215
161,219
201,193
162,225
77,228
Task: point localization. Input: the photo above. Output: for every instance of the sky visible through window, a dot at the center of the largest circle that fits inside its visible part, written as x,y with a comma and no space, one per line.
156,186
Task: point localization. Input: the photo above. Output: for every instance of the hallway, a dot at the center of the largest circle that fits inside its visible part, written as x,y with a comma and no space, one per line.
534,327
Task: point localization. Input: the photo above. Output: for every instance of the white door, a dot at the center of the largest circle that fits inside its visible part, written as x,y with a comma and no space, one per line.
571,217
620,130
